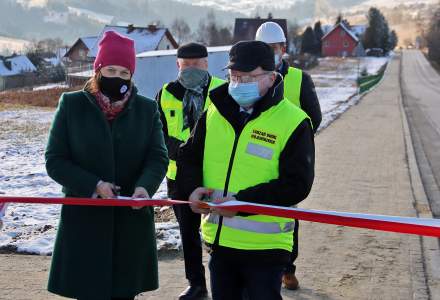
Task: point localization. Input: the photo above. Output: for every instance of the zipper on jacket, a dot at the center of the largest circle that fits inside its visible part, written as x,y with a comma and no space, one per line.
228,177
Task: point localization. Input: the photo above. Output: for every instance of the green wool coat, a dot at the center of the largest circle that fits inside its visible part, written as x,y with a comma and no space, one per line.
104,252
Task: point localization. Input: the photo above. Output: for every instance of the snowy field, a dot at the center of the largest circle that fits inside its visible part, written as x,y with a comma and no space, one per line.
335,81
23,135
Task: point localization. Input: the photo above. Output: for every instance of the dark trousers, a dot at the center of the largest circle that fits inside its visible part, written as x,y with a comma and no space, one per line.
189,224
291,268
237,280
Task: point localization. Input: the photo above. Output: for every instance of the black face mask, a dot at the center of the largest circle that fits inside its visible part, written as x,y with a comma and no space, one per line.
114,87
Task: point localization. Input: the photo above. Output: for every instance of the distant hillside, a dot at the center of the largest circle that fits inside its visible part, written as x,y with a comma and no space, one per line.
9,45
69,19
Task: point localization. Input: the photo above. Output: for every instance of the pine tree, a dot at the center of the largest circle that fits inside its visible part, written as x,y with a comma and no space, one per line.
377,34
308,44
318,36
433,37
393,40
386,35
338,19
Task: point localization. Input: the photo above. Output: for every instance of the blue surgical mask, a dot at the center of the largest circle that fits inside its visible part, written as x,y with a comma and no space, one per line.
277,59
245,94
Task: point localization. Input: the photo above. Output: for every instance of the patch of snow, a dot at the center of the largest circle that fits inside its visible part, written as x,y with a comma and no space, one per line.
336,83
19,64
246,7
89,41
86,74
9,46
50,86
168,236
101,18
57,17
144,39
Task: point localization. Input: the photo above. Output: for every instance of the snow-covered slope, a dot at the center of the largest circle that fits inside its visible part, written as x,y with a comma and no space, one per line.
250,7
241,6
389,4
10,45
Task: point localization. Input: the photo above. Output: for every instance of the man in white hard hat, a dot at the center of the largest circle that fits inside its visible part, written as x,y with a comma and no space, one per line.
300,90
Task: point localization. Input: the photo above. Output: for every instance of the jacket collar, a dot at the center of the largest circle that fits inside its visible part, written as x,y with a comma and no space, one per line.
134,93
284,68
230,110
178,91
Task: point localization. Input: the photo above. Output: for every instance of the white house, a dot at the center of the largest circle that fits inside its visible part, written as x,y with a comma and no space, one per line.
15,71
145,38
155,68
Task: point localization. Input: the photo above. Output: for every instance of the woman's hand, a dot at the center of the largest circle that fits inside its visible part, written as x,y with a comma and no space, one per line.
140,192
197,205
106,190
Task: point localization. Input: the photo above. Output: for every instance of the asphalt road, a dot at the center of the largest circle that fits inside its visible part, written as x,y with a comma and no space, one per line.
420,85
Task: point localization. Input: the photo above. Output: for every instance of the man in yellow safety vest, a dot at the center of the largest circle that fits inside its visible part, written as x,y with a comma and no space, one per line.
181,103
300,90
243,148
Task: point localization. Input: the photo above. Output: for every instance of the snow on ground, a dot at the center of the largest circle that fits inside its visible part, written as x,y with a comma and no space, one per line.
32,228
50,86
10,45
335,81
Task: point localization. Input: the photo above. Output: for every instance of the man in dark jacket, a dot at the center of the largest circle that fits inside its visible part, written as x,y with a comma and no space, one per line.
181,103
242,148
300,90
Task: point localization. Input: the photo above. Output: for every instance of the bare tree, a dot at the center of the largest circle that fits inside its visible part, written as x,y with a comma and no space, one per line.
211,33
294,38
181,30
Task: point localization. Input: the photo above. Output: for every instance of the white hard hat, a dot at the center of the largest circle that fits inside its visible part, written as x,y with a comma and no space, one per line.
271,33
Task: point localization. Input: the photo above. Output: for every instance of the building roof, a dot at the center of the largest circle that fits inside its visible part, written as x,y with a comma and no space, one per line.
246,28
145,38
345,28
88,41
16,65
173,52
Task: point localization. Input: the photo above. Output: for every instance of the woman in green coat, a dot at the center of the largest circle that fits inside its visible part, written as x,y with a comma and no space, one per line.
106,140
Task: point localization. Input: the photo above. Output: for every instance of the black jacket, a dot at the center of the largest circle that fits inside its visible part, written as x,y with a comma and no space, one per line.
296,164
173,144
308,98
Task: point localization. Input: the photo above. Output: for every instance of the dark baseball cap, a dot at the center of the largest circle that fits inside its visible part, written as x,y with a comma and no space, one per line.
246,56
192,50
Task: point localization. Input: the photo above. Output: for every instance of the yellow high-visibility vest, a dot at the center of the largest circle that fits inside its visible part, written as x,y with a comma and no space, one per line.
235,163
292,85
173,111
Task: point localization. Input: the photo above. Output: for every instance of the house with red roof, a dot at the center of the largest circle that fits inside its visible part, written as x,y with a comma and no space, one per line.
343,41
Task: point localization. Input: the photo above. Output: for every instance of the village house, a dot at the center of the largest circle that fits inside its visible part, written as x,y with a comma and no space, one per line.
16,71
148,38
343,40
78,53
246,28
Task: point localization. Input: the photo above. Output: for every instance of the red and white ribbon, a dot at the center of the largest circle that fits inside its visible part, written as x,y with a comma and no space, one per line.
408,225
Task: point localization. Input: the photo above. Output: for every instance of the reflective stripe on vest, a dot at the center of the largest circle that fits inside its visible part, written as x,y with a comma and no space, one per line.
173,111
292,85
250,225
254,156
